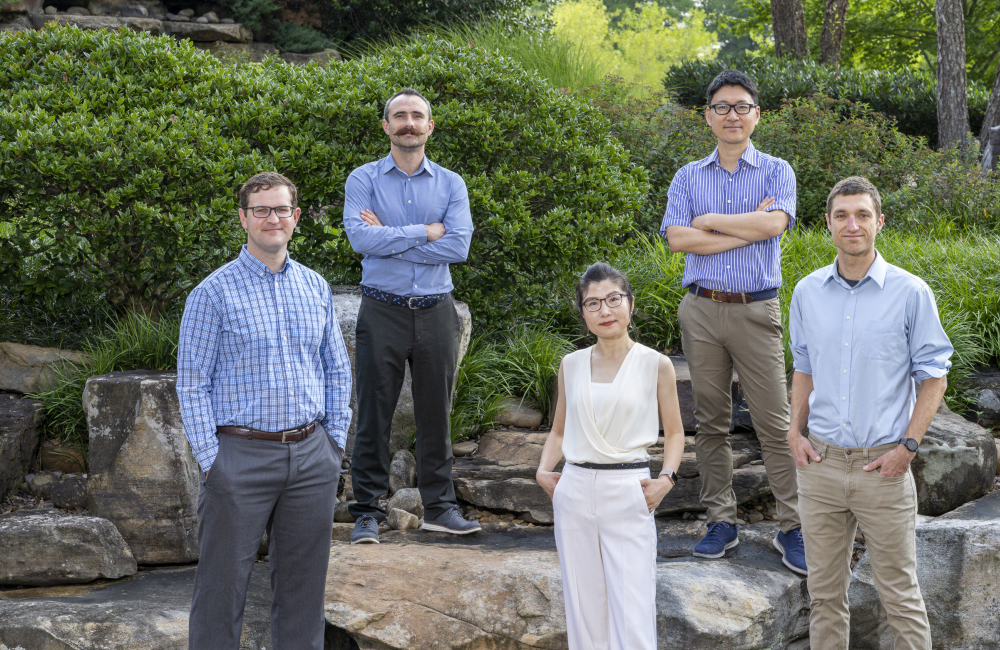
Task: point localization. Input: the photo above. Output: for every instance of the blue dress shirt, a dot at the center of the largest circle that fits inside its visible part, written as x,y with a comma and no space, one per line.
397,256
865,346
262,350
705,186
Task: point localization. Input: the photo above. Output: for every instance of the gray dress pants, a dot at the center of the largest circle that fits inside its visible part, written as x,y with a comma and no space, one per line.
289,490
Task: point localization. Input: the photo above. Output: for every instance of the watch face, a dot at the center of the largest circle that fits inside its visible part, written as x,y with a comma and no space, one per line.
911,444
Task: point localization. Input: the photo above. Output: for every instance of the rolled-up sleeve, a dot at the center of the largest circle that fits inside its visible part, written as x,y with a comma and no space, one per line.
197,353
929,345
796,336
680,210
337,378
781,187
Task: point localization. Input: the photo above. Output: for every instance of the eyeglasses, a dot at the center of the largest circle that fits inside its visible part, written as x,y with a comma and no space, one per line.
263,212
741,109
612,301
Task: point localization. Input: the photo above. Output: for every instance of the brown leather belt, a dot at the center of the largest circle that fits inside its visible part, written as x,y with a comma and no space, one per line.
742,298
288,435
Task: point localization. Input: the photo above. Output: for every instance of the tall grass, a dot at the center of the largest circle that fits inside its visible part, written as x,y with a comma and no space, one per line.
477,400
134,342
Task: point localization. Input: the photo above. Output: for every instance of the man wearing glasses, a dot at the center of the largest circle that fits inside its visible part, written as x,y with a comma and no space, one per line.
264,384
410,219
727,212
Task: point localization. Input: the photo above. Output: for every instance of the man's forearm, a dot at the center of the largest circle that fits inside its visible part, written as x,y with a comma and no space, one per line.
802,387
931,391
683,239
749,226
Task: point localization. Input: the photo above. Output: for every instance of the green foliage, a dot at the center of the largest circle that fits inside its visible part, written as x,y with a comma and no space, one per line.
477,400
255,14
529,362
134,342
944,195
301,39
655,275
132,194
906,96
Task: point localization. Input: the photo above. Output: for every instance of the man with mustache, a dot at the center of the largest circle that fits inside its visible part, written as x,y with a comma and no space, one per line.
410,219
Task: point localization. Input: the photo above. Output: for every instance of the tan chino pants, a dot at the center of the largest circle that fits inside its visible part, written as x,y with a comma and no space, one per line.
835,495
717,336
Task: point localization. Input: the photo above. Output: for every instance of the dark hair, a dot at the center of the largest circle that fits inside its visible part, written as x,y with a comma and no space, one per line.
265,181
731,77
599,272
405,91
852,186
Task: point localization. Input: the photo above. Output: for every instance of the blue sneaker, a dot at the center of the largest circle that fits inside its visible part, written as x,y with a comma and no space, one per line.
720,538
793,550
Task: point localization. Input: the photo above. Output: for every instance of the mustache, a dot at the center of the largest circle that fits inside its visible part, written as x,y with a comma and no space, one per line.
408,130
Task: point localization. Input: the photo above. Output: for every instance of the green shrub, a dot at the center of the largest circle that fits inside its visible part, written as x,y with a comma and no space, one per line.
121,154
906,96
477,398
301,39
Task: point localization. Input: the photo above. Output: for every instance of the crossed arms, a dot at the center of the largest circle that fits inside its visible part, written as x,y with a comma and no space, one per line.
717,233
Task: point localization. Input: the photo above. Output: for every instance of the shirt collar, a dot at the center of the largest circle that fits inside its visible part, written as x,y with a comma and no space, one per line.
388,164
751,157
257,267
876,272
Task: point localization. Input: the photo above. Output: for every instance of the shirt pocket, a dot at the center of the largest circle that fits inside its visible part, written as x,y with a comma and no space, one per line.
308,324
882,340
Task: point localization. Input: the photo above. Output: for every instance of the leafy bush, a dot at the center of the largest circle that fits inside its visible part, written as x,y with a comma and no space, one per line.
906,96
121,154
301,39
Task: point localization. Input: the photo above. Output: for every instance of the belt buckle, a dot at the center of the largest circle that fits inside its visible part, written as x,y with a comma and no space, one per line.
409,302
283,434
714,291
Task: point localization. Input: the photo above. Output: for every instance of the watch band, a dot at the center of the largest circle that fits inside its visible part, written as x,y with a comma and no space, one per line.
906,443
671,475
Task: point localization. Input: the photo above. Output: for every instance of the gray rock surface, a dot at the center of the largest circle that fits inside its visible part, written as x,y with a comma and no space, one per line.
402,520
51,10
78,11
31,369
137,11
235,33
464,448
43,548
143,476
189,13
402,471
985,391
81,21
958,565
22,6
20,432
70,493
347,302
211,17
341,514
956,464
41,485
322,58
148,25
515,412
254,52
147,612
201,20
407,499
15,23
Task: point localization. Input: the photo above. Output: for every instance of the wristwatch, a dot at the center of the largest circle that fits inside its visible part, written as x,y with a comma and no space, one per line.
670,474
910,443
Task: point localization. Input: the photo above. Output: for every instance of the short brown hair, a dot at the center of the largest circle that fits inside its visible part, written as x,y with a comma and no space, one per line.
405,91
852,186
265,181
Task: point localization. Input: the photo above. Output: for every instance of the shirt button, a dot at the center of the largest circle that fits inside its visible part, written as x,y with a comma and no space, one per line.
414,286
291,392
281,311
848,318
285,338
728,201
852,292
730,180
393,251
727,266
846,344
843,398
262,274
845,372
843,425
408,201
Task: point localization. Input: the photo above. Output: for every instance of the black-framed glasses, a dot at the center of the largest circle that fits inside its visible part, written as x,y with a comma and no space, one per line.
263,212
741,109
612,301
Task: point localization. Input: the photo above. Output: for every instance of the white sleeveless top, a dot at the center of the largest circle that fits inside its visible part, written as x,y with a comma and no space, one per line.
625,423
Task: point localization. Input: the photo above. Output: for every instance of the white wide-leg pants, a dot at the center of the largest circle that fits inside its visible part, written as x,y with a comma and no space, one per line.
607,551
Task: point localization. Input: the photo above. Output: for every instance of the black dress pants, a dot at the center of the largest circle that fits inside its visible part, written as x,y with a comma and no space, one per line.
388,337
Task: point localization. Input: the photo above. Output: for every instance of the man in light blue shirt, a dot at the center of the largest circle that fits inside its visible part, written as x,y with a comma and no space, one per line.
864,333
410,219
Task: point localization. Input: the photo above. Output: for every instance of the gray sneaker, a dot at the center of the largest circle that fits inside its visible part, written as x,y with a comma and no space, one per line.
451,521
365,530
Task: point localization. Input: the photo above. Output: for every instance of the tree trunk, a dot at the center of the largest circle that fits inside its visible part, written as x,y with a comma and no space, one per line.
992,116
789,22
833,31
952,98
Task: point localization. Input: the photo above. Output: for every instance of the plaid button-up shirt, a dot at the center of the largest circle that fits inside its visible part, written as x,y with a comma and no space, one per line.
262,350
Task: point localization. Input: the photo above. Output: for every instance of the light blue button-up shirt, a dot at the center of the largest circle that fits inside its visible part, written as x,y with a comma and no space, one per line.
397,256
262,350
866,347
705,186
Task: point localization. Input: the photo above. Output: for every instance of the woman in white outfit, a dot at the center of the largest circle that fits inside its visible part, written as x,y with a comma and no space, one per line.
610,397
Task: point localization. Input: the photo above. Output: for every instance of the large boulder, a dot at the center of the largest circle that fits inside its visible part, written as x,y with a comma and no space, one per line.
402,471
149,611
958,568
31,369
347,303
985,391
42,548
208,32
20,430
143,476
956,464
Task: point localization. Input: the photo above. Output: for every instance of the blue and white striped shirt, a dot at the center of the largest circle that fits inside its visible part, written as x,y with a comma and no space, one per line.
705,186
262,350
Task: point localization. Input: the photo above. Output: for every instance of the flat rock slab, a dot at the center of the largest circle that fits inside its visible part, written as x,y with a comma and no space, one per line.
42,548
20,430
30,369
209,32
148,611
504,590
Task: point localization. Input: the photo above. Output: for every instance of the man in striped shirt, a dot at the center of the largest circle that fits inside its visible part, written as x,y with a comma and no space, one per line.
727,212
264,384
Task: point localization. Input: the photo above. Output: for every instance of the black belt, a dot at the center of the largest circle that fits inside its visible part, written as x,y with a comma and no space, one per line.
738,297
637,465
413,302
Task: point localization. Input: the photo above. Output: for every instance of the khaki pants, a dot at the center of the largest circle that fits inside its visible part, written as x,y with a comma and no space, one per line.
717,336
835,495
